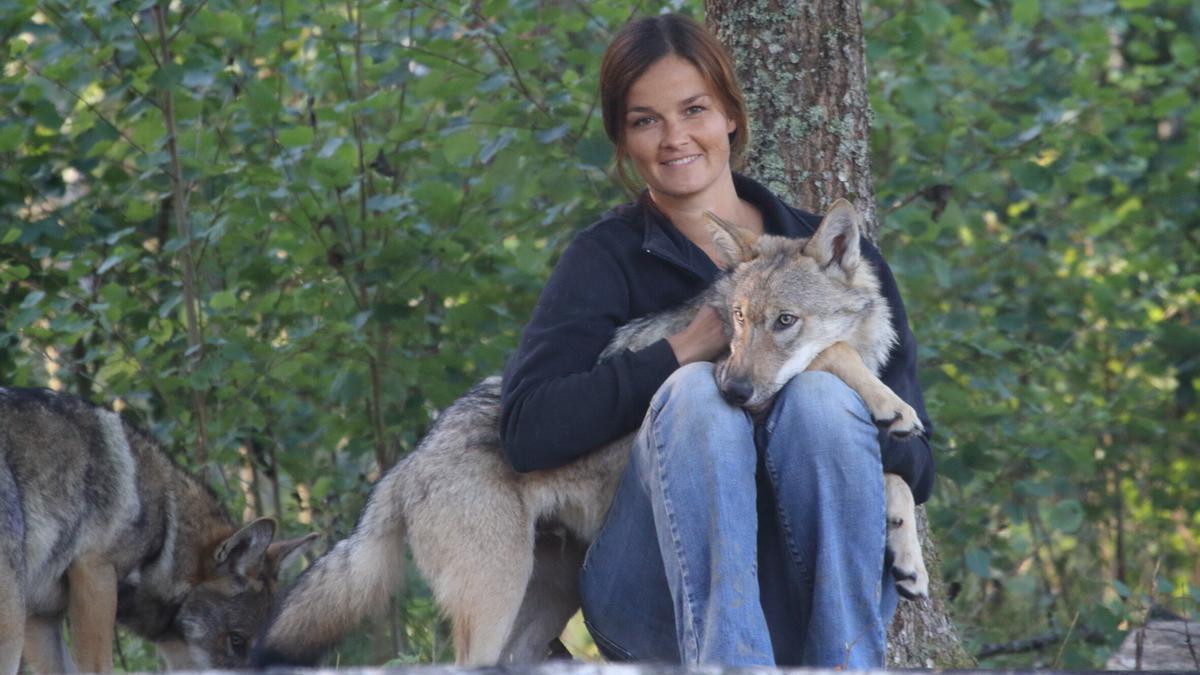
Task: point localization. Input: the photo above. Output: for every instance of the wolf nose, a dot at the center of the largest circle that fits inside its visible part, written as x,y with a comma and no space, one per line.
737,392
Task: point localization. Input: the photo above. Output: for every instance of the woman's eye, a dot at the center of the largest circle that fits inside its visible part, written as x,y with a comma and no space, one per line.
694,109
642,121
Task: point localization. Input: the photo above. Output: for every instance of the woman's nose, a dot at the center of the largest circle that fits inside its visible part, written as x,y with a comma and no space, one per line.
674,134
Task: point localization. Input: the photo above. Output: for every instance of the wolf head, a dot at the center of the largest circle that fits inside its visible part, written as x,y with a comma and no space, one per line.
217,619
786,300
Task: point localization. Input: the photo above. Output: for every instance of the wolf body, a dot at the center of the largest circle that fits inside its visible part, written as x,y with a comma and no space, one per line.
99,526
502,550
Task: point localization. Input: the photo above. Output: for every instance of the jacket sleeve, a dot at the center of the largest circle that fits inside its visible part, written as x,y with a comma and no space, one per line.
910,458
557,402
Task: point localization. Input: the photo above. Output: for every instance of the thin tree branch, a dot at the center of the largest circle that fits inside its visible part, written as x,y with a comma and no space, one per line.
107,65
145,42
195,339
188,14
1033,644
90,107
505,57
407,47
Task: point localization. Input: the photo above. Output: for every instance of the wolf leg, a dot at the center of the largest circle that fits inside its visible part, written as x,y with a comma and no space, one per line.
481,589
551,598
92,611
45,649
12,623
887,409
12,570
908,565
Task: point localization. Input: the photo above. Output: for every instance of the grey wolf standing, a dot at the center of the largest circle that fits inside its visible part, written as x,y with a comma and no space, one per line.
99,526
476,526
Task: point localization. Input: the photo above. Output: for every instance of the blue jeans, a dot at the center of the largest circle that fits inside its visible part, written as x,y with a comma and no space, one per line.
742,544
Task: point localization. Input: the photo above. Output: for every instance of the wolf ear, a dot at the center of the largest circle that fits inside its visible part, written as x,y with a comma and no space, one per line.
735,244
836,240
283,552
245,549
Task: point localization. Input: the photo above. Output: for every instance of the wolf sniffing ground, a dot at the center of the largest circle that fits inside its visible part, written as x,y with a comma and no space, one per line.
99,526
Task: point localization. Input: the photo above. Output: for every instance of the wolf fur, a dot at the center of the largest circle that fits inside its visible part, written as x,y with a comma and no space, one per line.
484,535
98,526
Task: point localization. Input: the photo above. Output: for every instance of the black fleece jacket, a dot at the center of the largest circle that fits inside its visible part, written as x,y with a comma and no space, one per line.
558,403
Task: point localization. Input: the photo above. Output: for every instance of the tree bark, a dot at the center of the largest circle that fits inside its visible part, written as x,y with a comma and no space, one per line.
803,70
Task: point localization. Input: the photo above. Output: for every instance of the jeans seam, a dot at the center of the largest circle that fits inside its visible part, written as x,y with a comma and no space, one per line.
881,634
607,642
660,464
783,519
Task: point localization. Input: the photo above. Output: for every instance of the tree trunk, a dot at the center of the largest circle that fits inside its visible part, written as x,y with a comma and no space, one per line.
803,70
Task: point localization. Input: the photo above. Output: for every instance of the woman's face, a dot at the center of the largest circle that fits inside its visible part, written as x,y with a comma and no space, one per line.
676,131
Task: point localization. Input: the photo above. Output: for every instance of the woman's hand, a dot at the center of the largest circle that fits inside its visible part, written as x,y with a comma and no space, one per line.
702,340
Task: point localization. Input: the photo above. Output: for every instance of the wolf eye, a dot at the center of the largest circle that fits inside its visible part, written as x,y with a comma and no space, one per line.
237,643
786,320
737,315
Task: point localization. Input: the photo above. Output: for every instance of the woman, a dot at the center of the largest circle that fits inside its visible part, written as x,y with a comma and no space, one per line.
729,541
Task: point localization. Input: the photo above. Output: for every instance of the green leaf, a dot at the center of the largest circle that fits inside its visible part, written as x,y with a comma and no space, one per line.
1066,516
552,134
295,137
223,299
330,147
198,79
501,141
32,299
321,488
11,136
1183,49
1027,12
111,262
15,272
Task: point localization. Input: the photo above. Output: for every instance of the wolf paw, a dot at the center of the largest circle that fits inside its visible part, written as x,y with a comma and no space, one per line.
898,418
908,569
908,565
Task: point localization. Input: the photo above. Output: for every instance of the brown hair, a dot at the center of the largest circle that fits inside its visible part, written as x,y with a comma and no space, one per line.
639,45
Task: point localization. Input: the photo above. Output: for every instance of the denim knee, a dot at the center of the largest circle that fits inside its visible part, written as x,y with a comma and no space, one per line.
823,415
688,415
692,387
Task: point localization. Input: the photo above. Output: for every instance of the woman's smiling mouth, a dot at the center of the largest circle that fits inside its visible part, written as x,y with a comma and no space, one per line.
681,161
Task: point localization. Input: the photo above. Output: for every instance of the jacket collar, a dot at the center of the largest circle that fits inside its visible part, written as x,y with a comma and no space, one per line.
662,240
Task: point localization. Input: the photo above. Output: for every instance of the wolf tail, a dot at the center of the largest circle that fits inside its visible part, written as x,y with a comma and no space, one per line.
352,581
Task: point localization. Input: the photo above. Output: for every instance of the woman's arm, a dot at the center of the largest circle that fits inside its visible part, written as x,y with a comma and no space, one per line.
557,402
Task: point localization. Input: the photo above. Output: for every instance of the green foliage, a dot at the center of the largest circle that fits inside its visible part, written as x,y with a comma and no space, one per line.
374,193
1038,166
